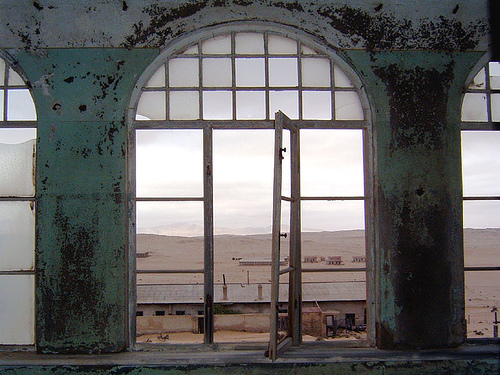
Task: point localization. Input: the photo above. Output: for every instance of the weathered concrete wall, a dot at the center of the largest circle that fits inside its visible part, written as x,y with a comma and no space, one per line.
82,93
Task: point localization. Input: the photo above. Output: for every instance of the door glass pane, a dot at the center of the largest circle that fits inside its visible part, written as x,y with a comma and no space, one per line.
316,72
283,72
474,107
151,106
217,105
158,78
250,105
249,43
17,235
217,72
183,72
184,105
169,163
20,105
17,309
348,106
17,169
250,72
317,105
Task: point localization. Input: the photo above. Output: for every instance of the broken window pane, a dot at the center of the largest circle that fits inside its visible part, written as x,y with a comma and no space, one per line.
495,107
317,105
17,309
479,80
17,169
495,75
250,72
250,105
281,45
315,72
474,107
331,162
15,79
217,45
348,106
480,163
283,72
158,78
169,163
284,101
151,106
217,72
20,105
184,105
341,79
217,105
17,235
249,43
183,73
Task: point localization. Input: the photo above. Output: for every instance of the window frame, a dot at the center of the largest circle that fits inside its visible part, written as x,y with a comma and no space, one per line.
176,49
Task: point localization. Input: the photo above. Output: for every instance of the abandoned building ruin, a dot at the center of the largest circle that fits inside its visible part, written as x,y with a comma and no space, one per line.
82,83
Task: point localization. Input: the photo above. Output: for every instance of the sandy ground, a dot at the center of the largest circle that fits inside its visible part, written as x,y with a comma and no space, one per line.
482,247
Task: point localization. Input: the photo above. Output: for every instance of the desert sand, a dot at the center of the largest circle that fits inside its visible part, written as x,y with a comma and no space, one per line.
482,248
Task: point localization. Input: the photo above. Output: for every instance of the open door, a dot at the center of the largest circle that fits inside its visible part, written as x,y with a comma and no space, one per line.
286,322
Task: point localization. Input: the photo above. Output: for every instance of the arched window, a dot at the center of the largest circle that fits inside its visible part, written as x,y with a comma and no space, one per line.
205,125
481,194
17,208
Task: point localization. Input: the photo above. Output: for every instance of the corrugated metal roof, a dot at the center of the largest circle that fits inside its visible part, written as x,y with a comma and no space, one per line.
248,293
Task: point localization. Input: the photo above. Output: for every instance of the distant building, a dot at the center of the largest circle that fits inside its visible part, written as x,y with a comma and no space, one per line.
359,259
334,260
261,262
311,259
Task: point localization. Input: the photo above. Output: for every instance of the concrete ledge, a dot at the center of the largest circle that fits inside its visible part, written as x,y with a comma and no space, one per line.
314,358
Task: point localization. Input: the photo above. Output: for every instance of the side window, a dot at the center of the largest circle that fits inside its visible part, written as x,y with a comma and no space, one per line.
481,205
17,208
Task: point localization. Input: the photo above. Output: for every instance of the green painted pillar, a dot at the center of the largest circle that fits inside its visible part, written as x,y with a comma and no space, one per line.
419,279
81,97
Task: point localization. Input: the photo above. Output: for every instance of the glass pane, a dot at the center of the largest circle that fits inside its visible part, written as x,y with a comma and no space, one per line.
169,163
284,101
348,106
315,72
481,214
183,73
184,105
474,107
308,51
17,135
495,75
20,105
281,45
2,72
217,72
17,169
217,105
247,43
158,78
15,79
178,236
217,45
17,314
341,79
320,216
250,105
479,80
17,235
283,72
317,105
480,163
1,105
250,72
191,50
495,107
331,162
151,106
